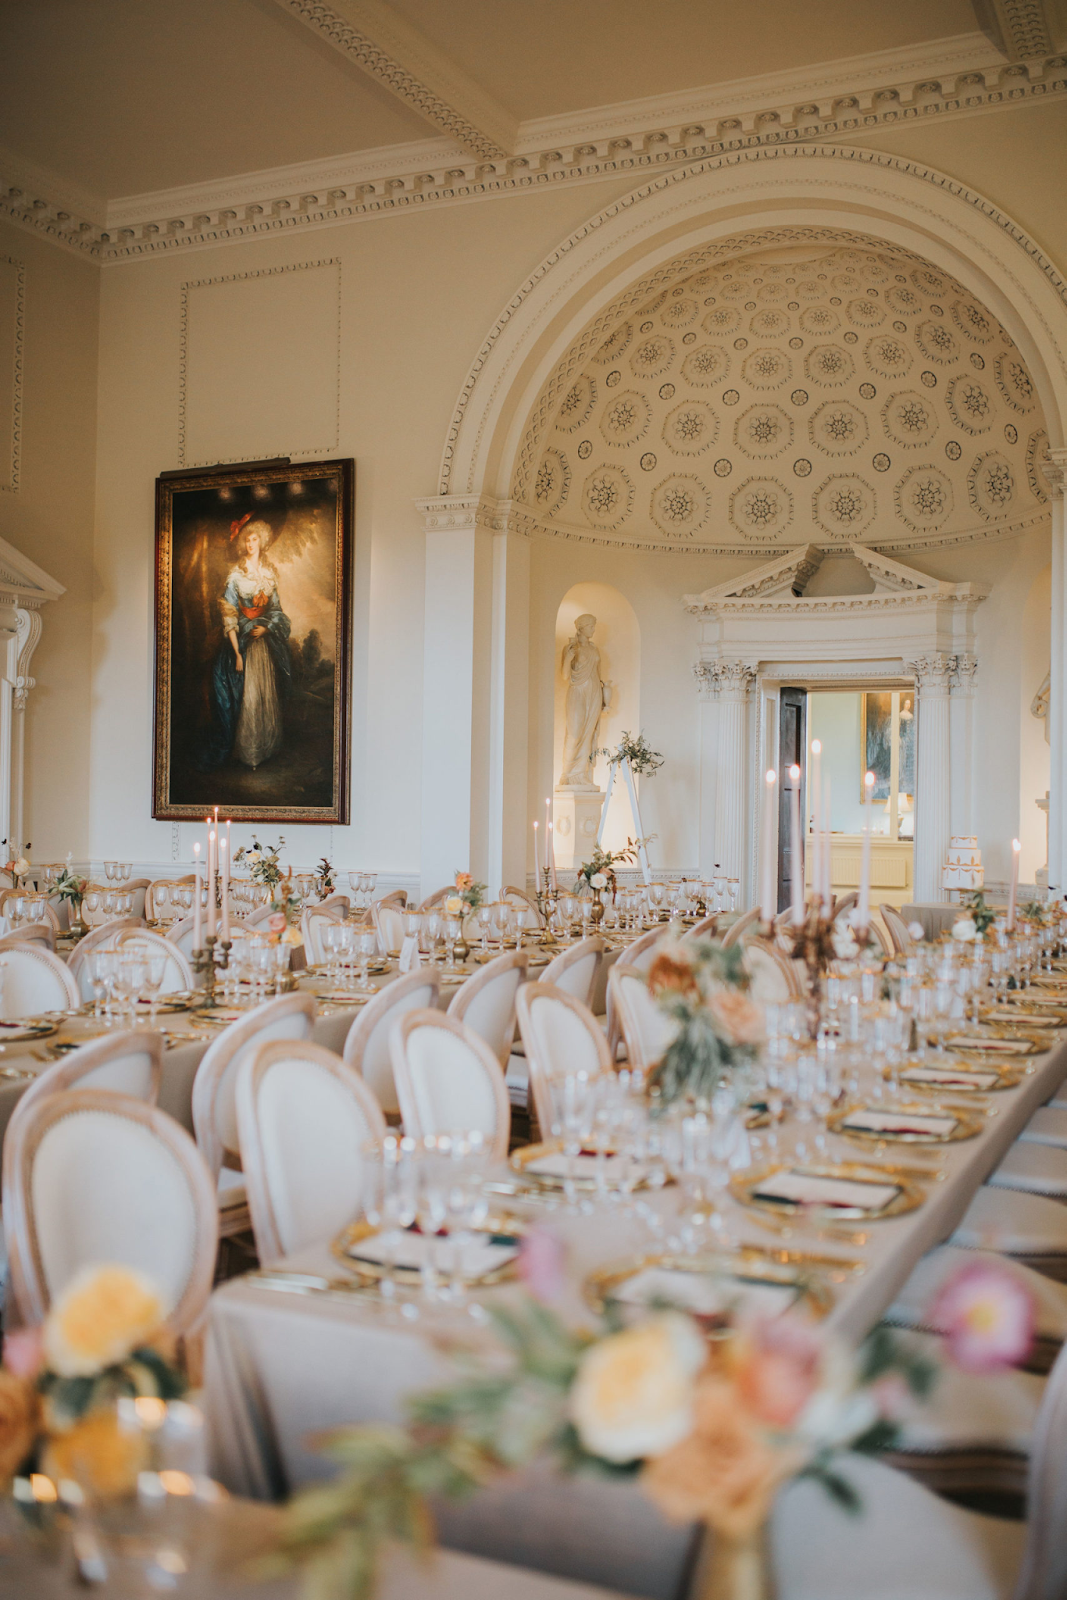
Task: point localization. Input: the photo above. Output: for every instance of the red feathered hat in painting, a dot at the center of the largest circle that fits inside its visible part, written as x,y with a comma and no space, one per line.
235,527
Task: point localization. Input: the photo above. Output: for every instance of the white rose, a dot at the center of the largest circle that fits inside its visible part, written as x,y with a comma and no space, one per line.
598,881
252,856
455,904
845,946
916,931
22,866
965,930
633,1394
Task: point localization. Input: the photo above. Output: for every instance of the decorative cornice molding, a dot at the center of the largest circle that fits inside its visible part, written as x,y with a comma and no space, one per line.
464,512
23,582
1024,27
267,204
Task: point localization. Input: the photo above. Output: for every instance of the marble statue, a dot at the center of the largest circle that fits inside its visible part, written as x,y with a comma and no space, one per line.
1039,704
587,697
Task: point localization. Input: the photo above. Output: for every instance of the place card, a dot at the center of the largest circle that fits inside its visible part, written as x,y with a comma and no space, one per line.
706,1295
407,1251
810,1189
946,1078
865,1119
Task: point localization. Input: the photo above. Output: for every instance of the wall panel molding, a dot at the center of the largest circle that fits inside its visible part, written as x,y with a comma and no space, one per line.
12,332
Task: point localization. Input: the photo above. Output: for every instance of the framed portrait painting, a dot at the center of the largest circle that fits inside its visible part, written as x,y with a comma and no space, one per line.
876,740
253,605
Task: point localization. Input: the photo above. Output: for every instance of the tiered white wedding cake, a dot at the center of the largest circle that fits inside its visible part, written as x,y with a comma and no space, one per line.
963,864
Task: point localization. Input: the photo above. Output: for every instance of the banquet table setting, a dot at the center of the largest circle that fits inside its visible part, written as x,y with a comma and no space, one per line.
455,1136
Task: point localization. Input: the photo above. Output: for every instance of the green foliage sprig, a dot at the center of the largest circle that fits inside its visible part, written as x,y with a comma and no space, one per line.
603,862
982,915
637,752
263,861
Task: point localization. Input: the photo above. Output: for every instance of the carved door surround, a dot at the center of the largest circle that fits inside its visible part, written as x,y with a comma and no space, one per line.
760,631
24,589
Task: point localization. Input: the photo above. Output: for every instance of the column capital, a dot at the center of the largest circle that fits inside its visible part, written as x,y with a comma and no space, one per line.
933,673
724,680
963,674
457,513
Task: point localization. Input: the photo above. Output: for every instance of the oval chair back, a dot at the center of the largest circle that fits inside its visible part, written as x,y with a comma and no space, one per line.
334,906
637,957
159,899
94,1176
395,897
521,899
435,899
448,1081
290,1017
367,1045
704,929
177,973
646,1029
128,1063
37,933
486,1002
896,928
741,927
313,924
103,937
773,974
305,1121
33,980
575,970
559,1035
389,926
845,904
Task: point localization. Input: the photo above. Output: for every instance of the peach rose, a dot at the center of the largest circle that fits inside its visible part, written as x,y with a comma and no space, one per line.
19,1412
276,922
671,973
725,1472
777,1371
464,880
103,1313
97,1454
738,1019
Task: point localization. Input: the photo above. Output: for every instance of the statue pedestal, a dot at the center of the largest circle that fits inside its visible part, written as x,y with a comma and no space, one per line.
575,821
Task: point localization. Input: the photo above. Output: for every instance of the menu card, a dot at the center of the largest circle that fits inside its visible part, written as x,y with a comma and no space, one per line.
812,1189
865,1119
946,1078
705,1295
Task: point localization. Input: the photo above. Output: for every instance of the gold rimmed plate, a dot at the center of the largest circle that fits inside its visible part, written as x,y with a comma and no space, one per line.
843,1190
907,1123
220,1016
997,1041
1019,1014
166,1002
714,1288
956,1076
490,1252
544,1166
20,1028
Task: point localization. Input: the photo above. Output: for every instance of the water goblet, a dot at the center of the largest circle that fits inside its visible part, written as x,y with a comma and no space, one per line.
333,939
131,977
101,965
110,869
434,1160
433,932
485,919
366,948
155,970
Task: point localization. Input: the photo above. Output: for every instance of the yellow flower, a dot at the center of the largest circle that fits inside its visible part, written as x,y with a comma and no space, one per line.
19,1409
454,905
633,1395
104,1313
97,1454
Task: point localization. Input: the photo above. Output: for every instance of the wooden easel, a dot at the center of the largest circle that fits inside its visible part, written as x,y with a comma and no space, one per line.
627,772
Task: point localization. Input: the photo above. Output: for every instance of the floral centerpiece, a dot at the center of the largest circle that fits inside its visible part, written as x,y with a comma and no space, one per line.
324,878
599,871
980,913
68,886
636,753
467,897
709,1428
18,862
263,861
703,988
103,1340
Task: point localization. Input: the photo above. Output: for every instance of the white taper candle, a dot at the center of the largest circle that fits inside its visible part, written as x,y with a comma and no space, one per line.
863,907
1013,893
816,819
768,872
197,931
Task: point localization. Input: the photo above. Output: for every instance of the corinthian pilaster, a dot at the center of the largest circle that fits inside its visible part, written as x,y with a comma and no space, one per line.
725,691
961,708
1056,474
933,683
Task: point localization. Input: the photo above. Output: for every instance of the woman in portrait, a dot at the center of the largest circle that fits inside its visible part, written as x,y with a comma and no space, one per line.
252,673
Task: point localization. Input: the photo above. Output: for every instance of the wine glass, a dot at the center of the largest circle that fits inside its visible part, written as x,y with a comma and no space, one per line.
333,939
366,948
101,966
155,970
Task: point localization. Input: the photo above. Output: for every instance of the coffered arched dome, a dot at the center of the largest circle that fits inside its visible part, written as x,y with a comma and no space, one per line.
823,393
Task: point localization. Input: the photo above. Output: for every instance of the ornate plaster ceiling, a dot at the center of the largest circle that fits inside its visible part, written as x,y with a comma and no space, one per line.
827,393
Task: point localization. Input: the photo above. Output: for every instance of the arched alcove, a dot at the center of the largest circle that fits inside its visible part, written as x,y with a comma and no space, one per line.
618,638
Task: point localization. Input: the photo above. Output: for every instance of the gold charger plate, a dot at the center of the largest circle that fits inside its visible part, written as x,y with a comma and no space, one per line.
220,1016
1021,1015
748,1265
166,1002
20,1028
496,1228
998,1041
967,1124
908,1194
989,1075
522,1159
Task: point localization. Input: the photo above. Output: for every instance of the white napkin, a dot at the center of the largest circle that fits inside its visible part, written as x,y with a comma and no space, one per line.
984,1041
808,1189
867,1120
949,1079
406,1249
410,957
705,1295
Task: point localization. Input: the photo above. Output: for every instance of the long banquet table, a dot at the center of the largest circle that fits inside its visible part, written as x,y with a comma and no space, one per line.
283,1365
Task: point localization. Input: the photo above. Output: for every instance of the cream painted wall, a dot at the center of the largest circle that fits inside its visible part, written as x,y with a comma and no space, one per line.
50,519
418,293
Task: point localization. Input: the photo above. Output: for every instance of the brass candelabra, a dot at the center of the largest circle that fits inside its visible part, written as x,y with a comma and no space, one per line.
207,961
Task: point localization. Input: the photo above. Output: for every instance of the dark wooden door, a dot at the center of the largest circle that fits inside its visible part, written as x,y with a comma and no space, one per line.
792,743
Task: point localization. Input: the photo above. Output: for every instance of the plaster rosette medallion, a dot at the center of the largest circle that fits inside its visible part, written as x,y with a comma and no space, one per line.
615,346
991,485
888,356
553,482
1036,461
577,404
909,419
706,366
838,428
690,428
625,419
844,506
971,406
762,508
973,322
865,312
763,432
723,320
1014,382
937,343
607,497
904,301
924,499
829,365
680,506
652,356
767,368
820,321
770,324
679,313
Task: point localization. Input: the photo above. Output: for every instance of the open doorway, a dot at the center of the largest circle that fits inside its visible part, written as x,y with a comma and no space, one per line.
868,730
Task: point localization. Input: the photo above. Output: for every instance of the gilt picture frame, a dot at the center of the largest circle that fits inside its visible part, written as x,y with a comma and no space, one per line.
253,642
876,743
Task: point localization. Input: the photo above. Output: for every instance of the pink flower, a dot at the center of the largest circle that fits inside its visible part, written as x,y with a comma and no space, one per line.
987,1316
542,1264
277,922
24,1352
739,1019
779,1371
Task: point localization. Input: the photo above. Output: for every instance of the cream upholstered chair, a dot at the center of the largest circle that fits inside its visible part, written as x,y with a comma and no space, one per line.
561,1036
896,928
367,1045
139,888
103,937
448,1081
704,929
486,1002
744,925
177,973
575,969
1027,1227
290,1017
395,897
772,974
38,933
909,1542
645,1028
51,918
638,957
95,1176
159,901
305,1121
313,924
33,980
334,906
434,899
389,926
